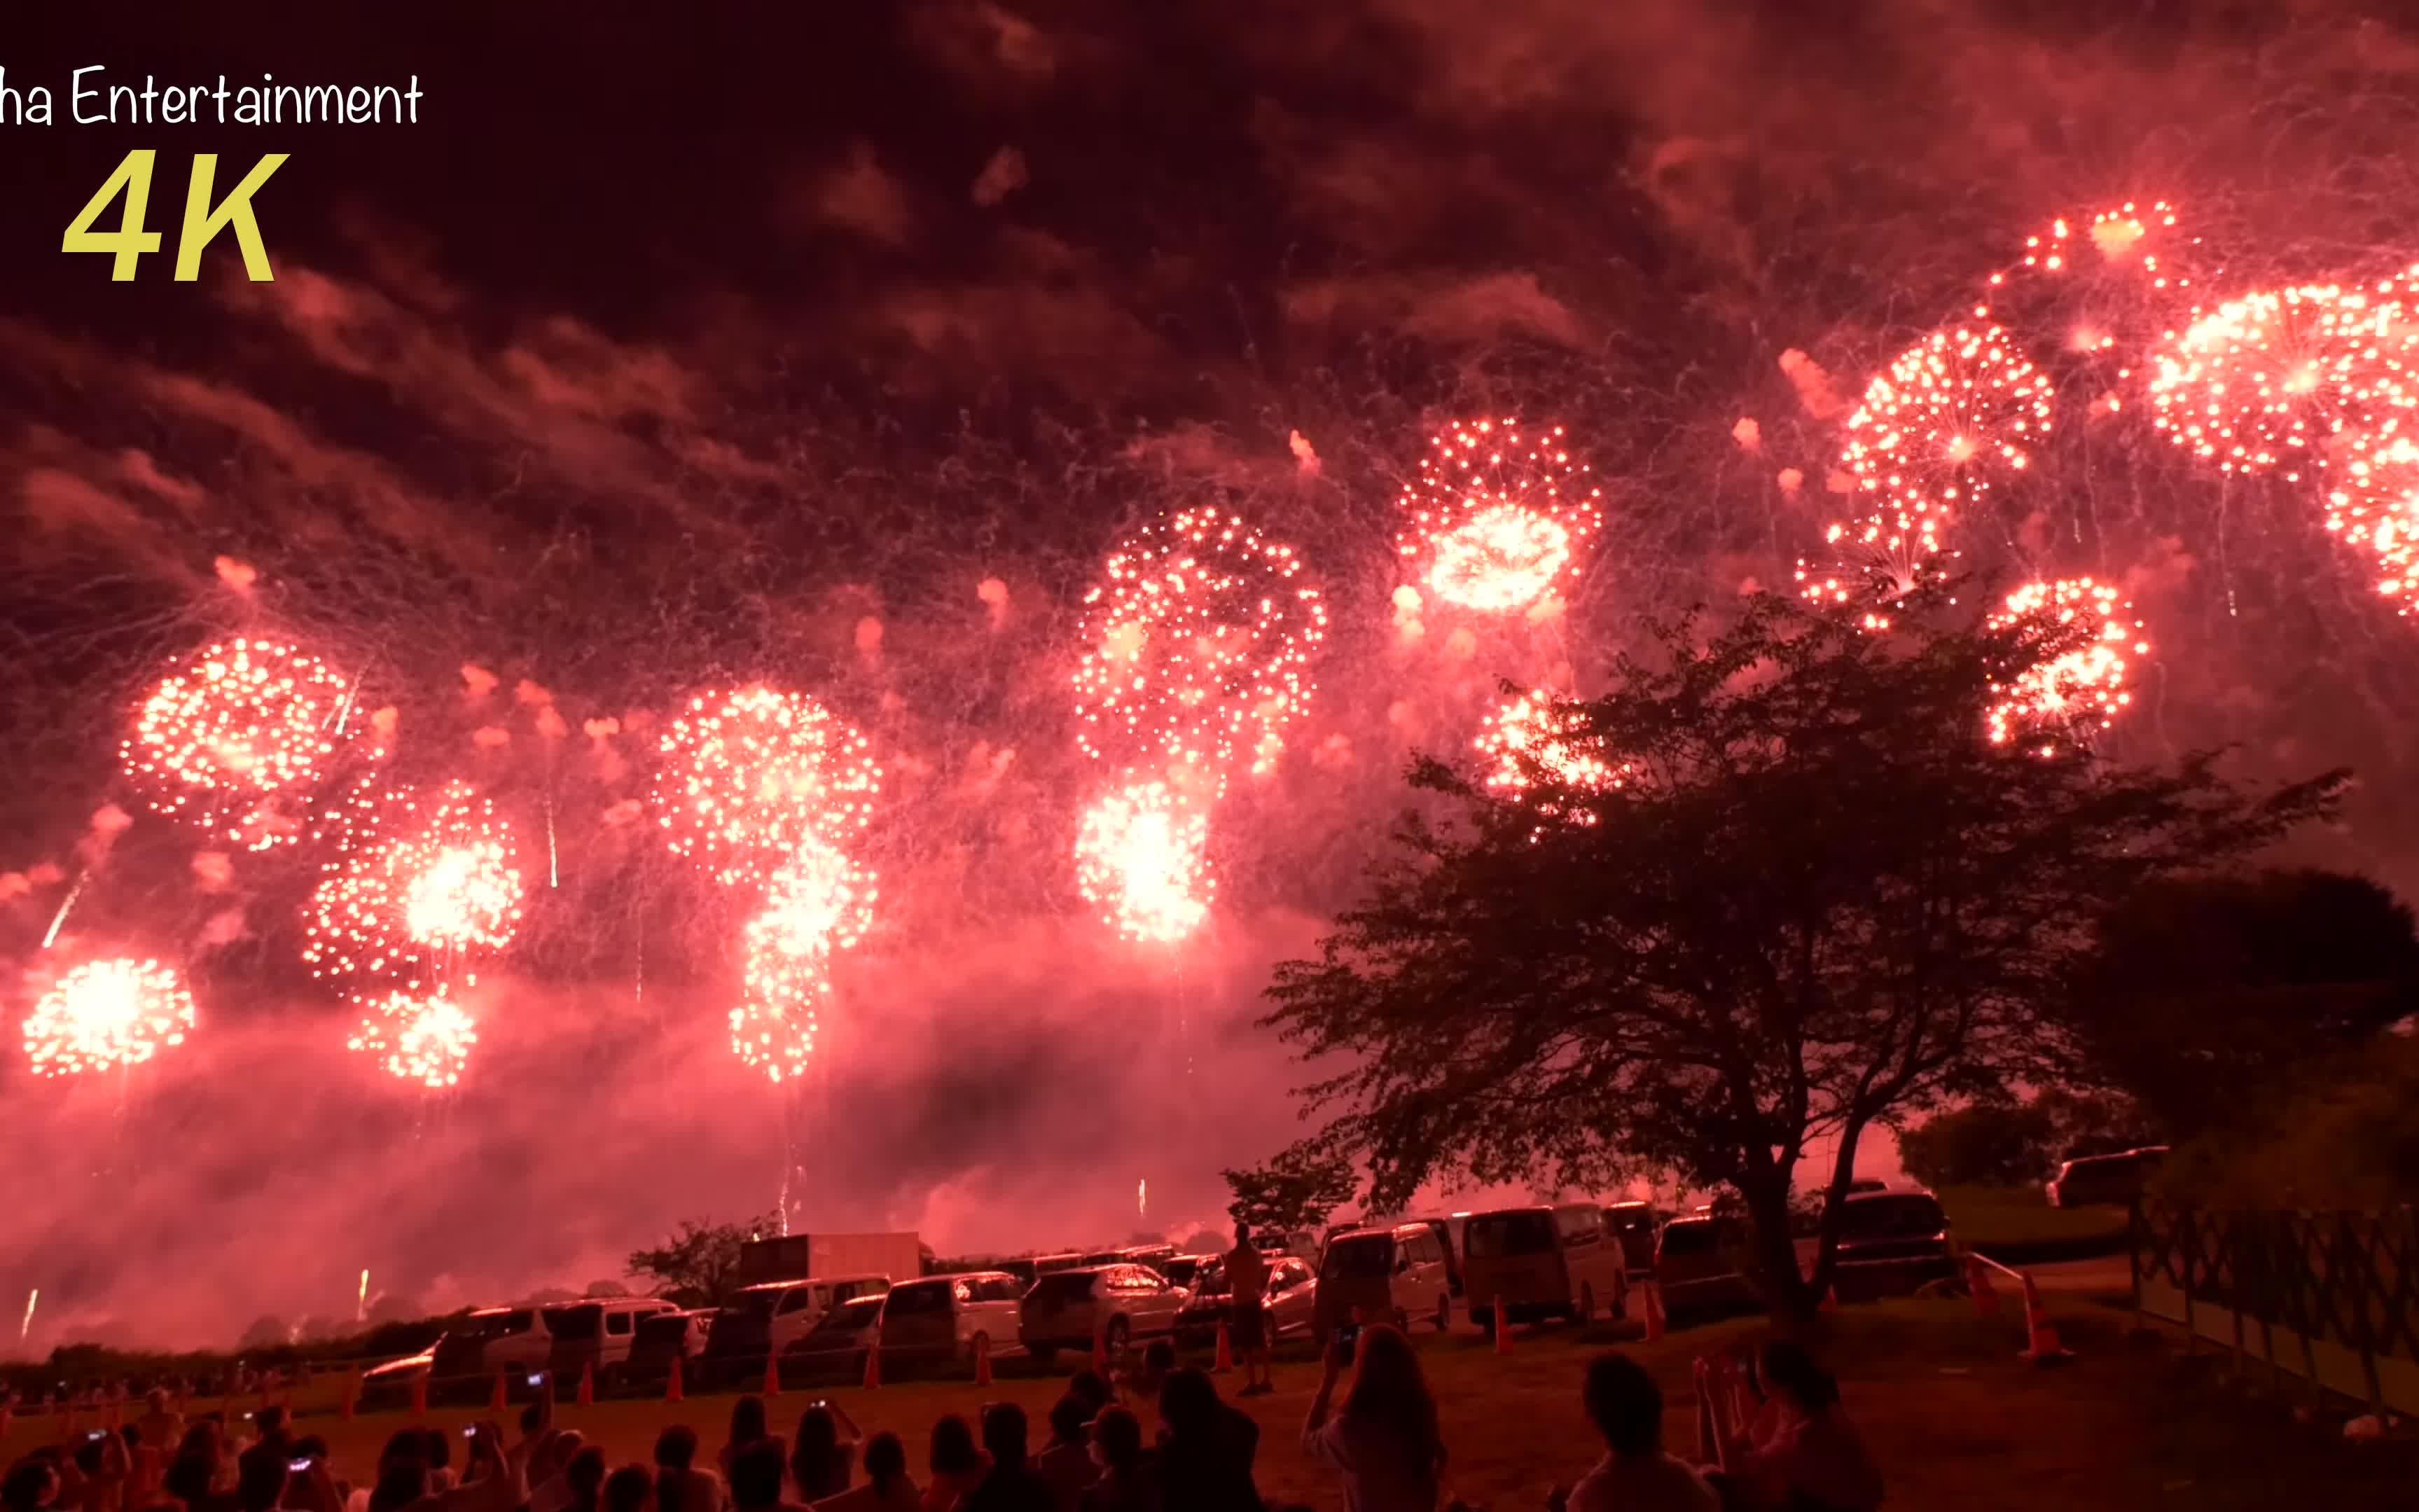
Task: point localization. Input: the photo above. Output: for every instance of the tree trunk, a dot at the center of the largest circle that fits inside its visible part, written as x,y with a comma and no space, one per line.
1772,1251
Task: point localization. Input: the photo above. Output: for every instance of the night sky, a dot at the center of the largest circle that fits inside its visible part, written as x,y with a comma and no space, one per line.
690,347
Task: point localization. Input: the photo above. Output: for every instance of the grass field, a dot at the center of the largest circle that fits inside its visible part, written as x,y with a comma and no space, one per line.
1957,1420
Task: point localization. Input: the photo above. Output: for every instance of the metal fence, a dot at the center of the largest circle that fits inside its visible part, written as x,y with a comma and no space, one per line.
2331,1297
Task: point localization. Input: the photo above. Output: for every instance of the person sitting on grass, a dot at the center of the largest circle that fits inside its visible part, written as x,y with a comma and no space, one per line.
1094,1389
584,1477
678,1486
1157,1359
1384,1441
823,1458
747,1425
957,1465
1125,1483
630,1489
1066,1461
886,1486
548,1472
1801,1454
1206,1448
1635,1475
1011,1484
756,1473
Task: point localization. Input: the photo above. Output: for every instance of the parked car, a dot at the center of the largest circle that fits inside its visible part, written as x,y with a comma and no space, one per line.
1632,1225
597,1334
1449,1238
1067,1261
1697,1265
1068,1309
392,1382
1023,1270
766,1319
1291,1301
512,1339
1185,1270
658,1339
943,1317
1891,1242
837,1344
1545,1262
2105,1179
1153,1256
1386,1274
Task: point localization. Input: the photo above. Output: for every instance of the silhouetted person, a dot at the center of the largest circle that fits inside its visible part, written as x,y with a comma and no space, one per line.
1012,1485
1066,1461
1247,1287
1126,1482
1635,1475
957,1464
1206,1448
887,1487
756,1471
747,1425
1384,1440
824,1453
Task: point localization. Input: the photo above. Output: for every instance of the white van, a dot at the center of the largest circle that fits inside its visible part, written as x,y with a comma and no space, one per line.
768,1318
512,1339
1385,1275
598,1332
943,1317
1542,1262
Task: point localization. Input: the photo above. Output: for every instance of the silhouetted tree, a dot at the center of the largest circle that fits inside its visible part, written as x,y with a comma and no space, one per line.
1798,892
2203,997
1297,1189
698,1266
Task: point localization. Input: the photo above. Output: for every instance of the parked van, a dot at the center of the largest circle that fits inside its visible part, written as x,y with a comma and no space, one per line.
656,1341
1891,1242
1544,1262
598,1334
1697,1265
943,1316
1632,1225
511,1339
1389,1275
768,1318
1044,1264
2105,1179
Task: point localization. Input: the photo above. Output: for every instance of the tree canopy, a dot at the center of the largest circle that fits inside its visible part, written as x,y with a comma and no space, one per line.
698,1266
1295,1190
2203,997
1776,886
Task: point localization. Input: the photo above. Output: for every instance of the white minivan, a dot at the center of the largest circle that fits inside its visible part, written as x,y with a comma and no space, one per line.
948,1316
768,1319
598,1332
1391,1276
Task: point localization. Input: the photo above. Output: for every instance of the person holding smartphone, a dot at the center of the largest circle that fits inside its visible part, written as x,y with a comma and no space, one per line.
1385,1442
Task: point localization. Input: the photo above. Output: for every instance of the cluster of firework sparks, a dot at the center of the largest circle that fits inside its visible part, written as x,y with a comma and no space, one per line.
1197,651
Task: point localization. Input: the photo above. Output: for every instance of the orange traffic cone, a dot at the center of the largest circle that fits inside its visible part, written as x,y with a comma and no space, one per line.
772,1374
873,1363
1654,1310
983,1359
673,1388
420,1397
586,1395
352,1394
2041,1344
1830,1303
496,1398
1225,1350
1503,1327
1101,1349
1978,1281
7,1410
